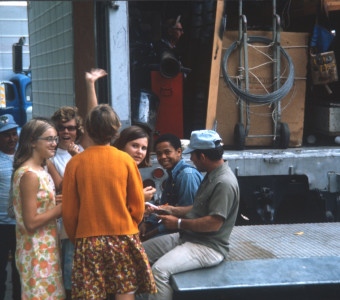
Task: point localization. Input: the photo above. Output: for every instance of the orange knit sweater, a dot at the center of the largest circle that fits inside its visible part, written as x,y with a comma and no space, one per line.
102,194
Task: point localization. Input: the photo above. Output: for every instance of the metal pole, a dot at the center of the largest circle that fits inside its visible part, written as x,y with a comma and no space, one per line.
276,66
240,62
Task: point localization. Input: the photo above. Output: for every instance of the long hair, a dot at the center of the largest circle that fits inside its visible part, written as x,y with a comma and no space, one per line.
102,124
133,133
29,133
68,113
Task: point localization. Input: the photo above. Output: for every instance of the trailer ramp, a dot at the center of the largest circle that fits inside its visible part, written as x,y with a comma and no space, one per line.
291,261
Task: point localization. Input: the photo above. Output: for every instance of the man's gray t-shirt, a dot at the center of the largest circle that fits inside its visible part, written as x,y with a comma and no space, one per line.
218,195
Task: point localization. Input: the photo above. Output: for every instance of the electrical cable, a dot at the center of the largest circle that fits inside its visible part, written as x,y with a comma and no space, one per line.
255,98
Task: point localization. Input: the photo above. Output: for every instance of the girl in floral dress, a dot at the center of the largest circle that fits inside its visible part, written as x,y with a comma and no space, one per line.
36,211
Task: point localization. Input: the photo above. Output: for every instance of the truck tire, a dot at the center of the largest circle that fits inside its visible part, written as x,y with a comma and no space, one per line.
284,136
239,136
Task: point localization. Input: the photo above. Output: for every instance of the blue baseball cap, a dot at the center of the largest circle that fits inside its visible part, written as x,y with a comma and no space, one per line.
203,140
7,122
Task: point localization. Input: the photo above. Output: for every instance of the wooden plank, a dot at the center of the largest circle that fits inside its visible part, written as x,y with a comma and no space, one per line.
331,5
215,66
261,121
84,38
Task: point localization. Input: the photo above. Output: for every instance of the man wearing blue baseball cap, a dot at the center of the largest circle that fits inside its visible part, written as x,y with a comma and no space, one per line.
8,143
205,226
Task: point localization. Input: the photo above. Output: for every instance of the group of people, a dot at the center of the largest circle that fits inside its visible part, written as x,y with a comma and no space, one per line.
87,176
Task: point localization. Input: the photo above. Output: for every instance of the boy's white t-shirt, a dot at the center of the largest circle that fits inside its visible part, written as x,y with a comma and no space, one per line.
60,161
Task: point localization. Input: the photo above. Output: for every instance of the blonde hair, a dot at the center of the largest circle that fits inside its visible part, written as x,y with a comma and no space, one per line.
29,133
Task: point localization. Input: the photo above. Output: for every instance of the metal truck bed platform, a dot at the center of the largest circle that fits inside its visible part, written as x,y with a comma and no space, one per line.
320,164
271,257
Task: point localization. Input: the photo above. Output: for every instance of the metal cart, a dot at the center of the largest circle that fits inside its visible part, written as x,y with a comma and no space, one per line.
281,134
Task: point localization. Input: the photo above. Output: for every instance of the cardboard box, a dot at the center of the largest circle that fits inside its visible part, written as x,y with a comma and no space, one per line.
227,109
326,119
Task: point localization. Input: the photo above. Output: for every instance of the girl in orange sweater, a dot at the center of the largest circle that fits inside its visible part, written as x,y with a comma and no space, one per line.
102,207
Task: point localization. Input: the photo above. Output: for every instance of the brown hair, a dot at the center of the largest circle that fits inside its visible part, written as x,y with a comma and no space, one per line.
102,124
68,113
133,133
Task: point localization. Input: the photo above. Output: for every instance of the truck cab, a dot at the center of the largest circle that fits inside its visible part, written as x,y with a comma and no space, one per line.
17,93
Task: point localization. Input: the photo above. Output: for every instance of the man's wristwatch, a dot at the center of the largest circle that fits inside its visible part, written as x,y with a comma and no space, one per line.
179,221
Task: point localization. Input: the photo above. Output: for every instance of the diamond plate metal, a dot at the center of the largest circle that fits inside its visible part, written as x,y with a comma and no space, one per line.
284,241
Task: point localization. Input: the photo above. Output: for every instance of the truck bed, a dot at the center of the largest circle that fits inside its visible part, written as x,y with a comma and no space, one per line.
320,164
301,260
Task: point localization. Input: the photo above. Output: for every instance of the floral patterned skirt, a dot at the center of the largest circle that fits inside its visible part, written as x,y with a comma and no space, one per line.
110,265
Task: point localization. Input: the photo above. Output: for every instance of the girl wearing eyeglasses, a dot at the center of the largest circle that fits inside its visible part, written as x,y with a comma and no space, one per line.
36,211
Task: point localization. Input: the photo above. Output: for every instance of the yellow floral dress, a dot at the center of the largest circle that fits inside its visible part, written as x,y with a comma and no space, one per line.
37,255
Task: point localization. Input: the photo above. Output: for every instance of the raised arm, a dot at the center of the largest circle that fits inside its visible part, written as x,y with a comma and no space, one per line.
90,78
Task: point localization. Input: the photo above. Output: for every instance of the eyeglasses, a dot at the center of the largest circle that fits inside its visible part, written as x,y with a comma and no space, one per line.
50,139
69,128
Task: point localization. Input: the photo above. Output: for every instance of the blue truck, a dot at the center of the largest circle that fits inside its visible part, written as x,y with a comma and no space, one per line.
17,98
16,93
15,78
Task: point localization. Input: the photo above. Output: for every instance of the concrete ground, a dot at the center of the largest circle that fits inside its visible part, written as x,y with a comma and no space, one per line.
8,295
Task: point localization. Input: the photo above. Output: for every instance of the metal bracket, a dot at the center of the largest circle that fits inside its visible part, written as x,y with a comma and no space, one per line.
273,160
113,4
333,182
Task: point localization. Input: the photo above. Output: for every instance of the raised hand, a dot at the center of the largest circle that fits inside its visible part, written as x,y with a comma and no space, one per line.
73,149
148,193
94,74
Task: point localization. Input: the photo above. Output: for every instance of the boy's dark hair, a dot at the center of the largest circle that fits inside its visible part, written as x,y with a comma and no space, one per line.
170,138
213,154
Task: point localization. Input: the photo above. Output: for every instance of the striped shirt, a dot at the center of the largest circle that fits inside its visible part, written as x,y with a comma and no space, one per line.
6,166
